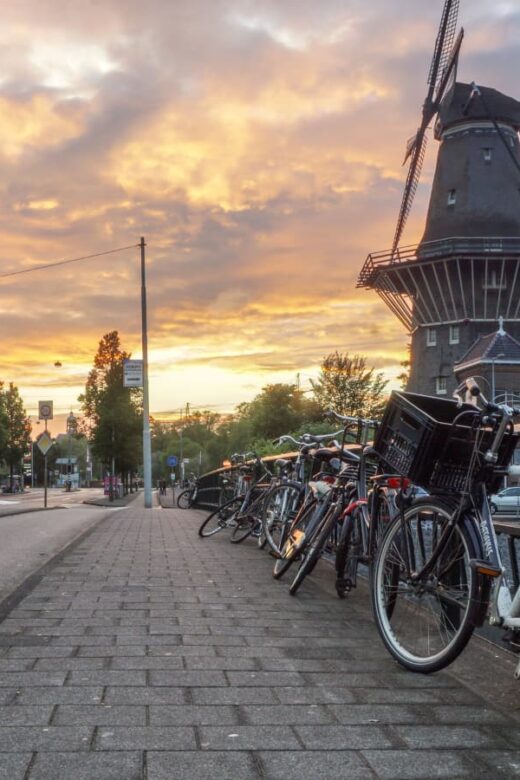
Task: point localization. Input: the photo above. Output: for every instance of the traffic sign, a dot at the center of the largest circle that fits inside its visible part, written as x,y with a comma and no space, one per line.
45,410
171,460
132,373
44,443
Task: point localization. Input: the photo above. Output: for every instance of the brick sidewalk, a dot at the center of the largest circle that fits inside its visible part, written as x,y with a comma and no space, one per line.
149,653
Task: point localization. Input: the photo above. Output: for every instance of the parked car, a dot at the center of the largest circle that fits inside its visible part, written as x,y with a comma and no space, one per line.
507,500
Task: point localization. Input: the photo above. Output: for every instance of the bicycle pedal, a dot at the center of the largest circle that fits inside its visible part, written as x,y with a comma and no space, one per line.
343,586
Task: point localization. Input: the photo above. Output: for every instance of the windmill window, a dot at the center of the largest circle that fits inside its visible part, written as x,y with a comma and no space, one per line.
452,197
441,385
454,334
488,153
431,337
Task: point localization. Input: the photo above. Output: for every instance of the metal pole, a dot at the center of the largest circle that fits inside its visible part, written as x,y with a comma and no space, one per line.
147,445
45,475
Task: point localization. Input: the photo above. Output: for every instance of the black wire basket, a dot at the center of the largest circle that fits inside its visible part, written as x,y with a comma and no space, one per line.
417,439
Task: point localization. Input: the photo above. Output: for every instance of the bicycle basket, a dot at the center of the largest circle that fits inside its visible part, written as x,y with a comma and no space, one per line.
417,439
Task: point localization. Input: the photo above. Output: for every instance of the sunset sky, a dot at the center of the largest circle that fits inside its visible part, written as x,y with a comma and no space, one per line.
256,145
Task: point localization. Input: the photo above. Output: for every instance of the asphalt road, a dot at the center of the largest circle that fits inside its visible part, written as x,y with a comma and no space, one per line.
31,539
34,498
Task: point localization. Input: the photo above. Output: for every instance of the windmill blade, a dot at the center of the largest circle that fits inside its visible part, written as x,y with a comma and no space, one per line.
450,71
410,188
443,43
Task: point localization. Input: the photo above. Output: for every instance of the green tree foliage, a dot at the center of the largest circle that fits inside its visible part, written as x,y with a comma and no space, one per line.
16,437
347,385
114,412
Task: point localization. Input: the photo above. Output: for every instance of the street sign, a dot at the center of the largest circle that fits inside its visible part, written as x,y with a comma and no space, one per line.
132,373
44,443
45,410
171,461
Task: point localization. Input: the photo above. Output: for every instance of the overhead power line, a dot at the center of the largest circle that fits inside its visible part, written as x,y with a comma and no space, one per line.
66,262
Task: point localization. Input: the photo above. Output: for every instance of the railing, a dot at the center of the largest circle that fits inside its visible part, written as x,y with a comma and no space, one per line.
429,250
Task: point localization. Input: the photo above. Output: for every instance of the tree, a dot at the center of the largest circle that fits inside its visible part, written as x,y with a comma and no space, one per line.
17,437
113,411
347,385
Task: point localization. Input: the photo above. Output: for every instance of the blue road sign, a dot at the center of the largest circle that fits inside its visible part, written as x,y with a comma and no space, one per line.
171,460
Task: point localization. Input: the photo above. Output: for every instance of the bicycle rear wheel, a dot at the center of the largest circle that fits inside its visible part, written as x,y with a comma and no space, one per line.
313,549
279,509
184,499
220,518
295,540
425,624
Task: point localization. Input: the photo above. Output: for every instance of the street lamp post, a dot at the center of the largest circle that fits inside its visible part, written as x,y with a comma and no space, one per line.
147,445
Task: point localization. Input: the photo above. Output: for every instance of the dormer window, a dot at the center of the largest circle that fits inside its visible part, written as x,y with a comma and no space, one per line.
452,197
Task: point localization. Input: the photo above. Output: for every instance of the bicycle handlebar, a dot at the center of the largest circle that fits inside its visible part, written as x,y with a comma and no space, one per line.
352,420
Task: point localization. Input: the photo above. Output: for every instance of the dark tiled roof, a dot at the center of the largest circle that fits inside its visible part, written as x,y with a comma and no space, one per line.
494,346
500,106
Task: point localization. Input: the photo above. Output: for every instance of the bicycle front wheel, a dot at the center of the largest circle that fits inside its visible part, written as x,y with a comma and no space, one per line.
425,623
220,518
184,499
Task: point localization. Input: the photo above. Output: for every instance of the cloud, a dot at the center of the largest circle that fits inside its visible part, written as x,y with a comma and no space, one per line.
256,145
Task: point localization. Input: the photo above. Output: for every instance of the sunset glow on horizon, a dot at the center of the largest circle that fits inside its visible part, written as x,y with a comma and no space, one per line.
257,146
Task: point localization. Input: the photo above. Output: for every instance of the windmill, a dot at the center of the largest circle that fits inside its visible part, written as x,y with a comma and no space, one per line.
465,273
443,70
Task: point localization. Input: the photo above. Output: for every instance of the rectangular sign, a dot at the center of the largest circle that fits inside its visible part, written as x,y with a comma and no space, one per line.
133,373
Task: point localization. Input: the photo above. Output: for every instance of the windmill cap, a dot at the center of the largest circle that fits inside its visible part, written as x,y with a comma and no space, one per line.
458,108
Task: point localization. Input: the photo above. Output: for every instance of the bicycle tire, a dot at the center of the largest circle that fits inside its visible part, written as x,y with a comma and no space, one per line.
293,543
249,520
313,549
280,507
426,625
220,517
184,499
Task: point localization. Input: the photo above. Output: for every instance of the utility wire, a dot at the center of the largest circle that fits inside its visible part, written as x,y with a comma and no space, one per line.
66,262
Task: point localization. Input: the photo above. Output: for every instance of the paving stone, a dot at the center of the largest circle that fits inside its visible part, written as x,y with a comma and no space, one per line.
248,738
215,765
63,695
310,765
90,766
417,764
146,738
190,679
192,715
13,766
22,679
44,738
108,677
100,715
286,714
343,737
41,652
111,651
228,663
140,695
69,664
263,679
504,763
445,737
375,713
314,695
233,695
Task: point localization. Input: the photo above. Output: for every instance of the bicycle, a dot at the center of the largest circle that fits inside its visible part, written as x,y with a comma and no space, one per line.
188,497
240,512
348,520
438,570
288,494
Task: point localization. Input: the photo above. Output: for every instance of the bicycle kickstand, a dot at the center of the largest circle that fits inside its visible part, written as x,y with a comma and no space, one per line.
517,671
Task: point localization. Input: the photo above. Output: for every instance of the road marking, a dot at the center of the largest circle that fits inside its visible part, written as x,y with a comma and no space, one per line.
10,502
